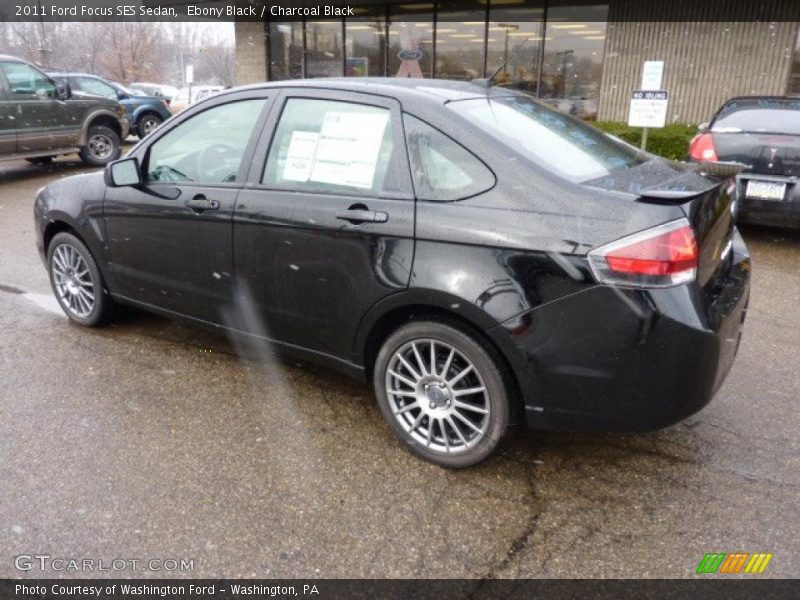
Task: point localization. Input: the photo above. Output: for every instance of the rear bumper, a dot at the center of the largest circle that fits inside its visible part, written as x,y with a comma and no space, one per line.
777,213
629,360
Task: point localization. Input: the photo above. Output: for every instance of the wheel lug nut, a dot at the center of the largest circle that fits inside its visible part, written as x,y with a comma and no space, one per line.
432,405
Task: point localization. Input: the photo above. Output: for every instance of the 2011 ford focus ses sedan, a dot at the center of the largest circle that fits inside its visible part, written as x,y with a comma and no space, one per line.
479,257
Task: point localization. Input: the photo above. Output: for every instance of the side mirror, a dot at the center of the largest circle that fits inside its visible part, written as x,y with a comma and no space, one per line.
122,95
63,91
123,172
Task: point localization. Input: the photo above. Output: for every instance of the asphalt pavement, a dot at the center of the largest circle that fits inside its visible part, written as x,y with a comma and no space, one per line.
150,440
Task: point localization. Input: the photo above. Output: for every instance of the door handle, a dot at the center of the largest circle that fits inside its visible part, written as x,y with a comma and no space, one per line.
200,203
357,216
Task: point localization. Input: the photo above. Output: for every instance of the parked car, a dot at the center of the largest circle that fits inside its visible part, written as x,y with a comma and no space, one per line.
523,267
763,133
198,92
145,113
41,119
167,92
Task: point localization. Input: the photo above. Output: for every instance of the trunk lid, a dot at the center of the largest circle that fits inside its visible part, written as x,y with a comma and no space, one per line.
763,153
712,217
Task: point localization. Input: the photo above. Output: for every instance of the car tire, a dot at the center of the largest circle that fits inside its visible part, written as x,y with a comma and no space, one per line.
102,146
40,160
147,123
77,282
434,414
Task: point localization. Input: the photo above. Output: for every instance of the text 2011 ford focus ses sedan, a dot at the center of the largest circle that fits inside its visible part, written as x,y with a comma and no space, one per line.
477,256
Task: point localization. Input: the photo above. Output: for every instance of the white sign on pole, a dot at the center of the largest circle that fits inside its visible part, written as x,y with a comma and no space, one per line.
648,108
189,73
652,72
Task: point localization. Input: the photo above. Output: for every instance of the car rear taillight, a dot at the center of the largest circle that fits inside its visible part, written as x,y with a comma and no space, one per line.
659,257
702,148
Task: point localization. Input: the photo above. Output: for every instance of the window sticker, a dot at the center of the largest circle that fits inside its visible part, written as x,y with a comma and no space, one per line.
300,156
348,148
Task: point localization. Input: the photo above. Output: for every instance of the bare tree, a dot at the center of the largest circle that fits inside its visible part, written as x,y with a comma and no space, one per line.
124,51
93,46
217,65
133,51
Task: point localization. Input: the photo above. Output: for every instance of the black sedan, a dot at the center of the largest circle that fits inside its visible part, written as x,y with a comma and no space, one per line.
763,133
480,258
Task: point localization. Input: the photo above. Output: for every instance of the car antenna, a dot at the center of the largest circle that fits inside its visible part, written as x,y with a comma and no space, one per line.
488,82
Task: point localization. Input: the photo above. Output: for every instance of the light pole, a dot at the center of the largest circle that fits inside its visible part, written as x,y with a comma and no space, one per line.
563,54
507,27
42,48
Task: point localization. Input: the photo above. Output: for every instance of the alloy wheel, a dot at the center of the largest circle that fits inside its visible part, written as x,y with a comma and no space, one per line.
438,396
73,281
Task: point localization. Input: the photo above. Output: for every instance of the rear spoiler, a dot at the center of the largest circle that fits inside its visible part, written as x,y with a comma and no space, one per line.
717,169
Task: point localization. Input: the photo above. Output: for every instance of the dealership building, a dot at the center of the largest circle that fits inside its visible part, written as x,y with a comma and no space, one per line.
585,57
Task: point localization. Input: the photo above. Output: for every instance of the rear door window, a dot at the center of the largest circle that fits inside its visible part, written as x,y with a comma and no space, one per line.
93,86
442,169
334,147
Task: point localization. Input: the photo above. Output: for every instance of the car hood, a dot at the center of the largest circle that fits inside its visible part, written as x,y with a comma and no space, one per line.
144,99
77,185
102,100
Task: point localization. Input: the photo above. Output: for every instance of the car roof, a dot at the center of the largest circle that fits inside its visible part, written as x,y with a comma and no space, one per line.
747,100
75,74
9,58
753,102
425,90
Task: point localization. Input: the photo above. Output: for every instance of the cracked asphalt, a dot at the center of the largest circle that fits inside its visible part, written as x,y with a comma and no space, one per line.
151,440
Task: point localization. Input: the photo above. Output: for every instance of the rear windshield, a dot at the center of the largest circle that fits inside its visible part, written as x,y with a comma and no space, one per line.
759,116
567,146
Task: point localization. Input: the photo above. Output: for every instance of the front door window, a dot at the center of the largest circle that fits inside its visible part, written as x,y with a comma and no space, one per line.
206,149
27,82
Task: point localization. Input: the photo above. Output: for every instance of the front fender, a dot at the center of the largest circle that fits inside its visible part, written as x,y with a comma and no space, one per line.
74,203
148,108
101,112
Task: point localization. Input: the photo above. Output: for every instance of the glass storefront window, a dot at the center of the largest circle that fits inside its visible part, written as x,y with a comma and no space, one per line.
515,38
573,58
460,40
324,49
411,41
551,51
286,50
365,44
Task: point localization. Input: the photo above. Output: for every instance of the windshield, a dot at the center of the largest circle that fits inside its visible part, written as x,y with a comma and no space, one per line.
759,116
562,144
